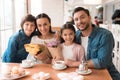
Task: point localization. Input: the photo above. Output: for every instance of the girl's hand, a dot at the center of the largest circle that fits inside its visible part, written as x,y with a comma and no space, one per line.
71,63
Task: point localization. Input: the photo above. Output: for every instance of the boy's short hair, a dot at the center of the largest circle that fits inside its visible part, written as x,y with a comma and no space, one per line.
29,18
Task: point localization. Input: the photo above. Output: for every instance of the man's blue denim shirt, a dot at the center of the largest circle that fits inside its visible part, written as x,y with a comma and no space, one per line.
15,51
100,49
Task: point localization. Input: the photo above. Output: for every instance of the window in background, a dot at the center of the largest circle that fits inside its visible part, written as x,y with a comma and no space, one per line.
36,7
10,17
20,10
6,23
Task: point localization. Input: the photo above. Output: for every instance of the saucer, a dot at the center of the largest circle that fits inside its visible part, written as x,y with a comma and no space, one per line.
23,66
59,68
83,73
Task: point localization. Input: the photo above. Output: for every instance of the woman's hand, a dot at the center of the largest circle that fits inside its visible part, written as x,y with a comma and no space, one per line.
44,56
56,52
42,77
57,35
41,56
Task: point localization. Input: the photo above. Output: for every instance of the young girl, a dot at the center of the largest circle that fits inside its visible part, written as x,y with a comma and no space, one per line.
15,51
71,51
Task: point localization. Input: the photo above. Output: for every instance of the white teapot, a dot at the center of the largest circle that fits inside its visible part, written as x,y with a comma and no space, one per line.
83,66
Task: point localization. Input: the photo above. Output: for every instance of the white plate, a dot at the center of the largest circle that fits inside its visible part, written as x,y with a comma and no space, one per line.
13,78
84,73
23,66
56,68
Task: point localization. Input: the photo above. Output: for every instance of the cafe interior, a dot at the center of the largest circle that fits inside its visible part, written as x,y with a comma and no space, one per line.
59,11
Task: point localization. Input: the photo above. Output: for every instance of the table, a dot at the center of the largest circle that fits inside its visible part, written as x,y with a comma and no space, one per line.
95,75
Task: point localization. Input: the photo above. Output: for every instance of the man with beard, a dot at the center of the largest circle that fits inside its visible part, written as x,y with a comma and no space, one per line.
98,43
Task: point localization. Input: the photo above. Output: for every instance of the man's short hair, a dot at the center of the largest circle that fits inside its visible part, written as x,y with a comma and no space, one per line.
81,9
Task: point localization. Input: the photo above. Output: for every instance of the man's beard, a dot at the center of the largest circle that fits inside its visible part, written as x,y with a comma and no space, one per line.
85,28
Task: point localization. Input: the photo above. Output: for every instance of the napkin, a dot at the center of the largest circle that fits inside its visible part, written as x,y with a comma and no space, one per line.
70,76
40,75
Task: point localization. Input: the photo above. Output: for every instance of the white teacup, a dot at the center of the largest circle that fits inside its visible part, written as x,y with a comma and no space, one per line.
27,62
59,64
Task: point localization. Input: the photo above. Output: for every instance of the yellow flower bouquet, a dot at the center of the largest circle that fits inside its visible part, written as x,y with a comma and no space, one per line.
34,49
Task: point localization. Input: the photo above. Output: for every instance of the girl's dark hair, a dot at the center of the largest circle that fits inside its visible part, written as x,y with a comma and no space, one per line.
67,26
81,9
29,18
43,15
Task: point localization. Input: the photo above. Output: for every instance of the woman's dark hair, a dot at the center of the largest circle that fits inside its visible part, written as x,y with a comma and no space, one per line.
67,26
43,15
29,18
116,14
80,9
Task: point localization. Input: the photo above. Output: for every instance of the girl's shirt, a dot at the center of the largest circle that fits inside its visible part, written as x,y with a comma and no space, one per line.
73,52
15,51
67,52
